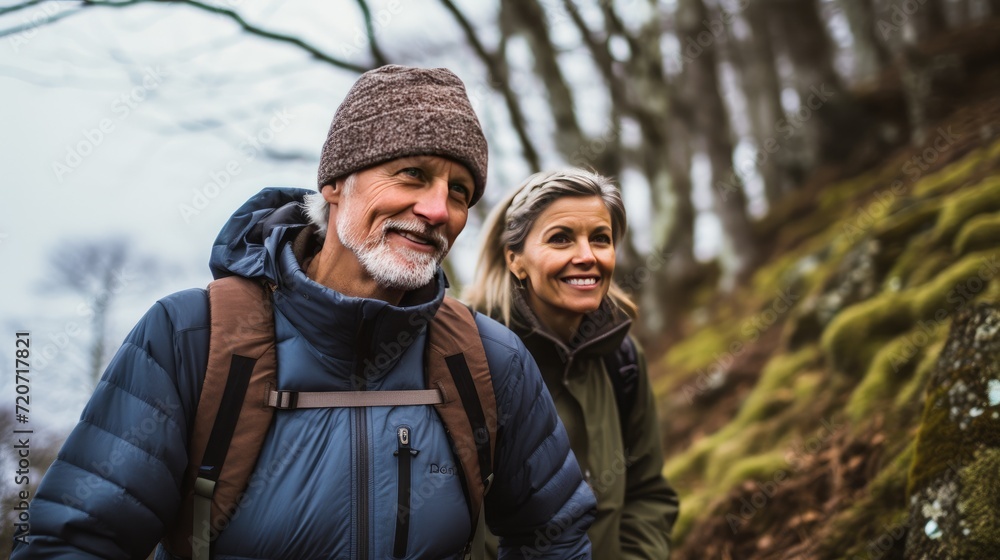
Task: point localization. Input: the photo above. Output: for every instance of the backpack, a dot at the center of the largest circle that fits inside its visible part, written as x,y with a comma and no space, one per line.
239,397
623,368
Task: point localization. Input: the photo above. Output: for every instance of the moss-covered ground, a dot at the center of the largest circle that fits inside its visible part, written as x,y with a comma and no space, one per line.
802,413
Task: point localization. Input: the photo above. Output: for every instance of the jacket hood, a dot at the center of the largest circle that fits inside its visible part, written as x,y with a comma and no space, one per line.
268,237
247,245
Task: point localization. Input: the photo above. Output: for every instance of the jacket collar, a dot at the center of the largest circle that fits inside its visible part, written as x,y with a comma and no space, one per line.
272,243
600,333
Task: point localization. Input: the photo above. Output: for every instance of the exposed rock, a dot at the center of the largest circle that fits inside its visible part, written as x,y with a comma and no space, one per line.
954,488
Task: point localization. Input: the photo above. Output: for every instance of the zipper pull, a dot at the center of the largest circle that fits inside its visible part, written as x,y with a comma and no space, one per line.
403,453
403,439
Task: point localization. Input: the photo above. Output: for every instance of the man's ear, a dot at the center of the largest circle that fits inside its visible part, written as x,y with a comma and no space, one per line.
515,266
331,192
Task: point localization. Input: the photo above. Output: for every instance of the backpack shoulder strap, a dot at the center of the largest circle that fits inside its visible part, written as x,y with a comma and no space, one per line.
623,369
456,366
229,428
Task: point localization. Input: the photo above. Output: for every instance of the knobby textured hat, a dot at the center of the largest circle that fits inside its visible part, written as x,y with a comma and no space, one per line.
396,111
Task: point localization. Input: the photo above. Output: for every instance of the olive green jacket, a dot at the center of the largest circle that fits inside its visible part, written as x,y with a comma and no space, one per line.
636,507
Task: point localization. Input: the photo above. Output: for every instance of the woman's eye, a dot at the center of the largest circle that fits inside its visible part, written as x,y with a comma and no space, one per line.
559,238
602,238
414,172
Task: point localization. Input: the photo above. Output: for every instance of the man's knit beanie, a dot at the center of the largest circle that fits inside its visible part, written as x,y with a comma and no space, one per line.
396,111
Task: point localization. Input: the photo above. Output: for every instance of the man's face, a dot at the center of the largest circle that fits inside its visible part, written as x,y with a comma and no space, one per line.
400,218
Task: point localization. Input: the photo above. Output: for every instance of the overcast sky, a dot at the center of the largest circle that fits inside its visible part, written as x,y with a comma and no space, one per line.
148,124
137,123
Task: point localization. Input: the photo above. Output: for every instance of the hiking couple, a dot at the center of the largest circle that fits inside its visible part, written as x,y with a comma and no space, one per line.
324,399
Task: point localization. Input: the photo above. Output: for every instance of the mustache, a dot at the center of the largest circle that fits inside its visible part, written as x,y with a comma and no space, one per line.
429,234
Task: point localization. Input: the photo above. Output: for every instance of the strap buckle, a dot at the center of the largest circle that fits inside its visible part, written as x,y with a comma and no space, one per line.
285,400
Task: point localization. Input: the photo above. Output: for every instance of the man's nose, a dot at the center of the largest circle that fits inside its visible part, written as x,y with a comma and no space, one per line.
432,203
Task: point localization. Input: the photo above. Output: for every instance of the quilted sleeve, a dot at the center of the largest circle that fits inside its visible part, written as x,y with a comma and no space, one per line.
539,505
115,485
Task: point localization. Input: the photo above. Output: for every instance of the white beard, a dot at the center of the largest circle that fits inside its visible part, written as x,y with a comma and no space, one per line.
392,268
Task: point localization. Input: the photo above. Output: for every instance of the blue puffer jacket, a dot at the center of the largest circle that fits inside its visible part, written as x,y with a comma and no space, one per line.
325,482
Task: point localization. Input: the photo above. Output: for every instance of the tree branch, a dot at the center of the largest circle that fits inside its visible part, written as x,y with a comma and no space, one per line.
19,7
237,18
34,24
530,20
499,74
254,30
377,54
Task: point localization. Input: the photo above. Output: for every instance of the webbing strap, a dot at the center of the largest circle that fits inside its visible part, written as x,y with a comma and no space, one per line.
240,369
622,367
201,544
290,400
459,369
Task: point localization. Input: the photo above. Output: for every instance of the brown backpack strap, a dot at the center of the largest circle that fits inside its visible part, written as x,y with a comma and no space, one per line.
456,366
241,363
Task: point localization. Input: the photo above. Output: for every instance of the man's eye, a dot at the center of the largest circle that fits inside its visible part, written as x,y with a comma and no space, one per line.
414,172
462,191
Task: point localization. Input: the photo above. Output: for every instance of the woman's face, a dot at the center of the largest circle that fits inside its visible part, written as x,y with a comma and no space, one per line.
568,259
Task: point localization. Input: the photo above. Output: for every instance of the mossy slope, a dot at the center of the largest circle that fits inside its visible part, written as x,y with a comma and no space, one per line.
818,369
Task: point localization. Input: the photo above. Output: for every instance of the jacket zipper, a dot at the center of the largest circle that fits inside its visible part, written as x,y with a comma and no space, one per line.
403,454
361,421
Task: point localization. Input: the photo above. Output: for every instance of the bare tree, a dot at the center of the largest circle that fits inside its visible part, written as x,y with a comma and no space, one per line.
43,452
715,134
677,116
870,53
754,63
98,271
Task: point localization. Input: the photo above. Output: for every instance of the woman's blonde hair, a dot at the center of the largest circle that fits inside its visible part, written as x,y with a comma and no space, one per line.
508,225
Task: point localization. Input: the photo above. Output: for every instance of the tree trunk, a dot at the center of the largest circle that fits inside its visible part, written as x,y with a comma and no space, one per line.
527,17
714,131
754,63
926,21
870,53
826,114
682,269
499,79
607,151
